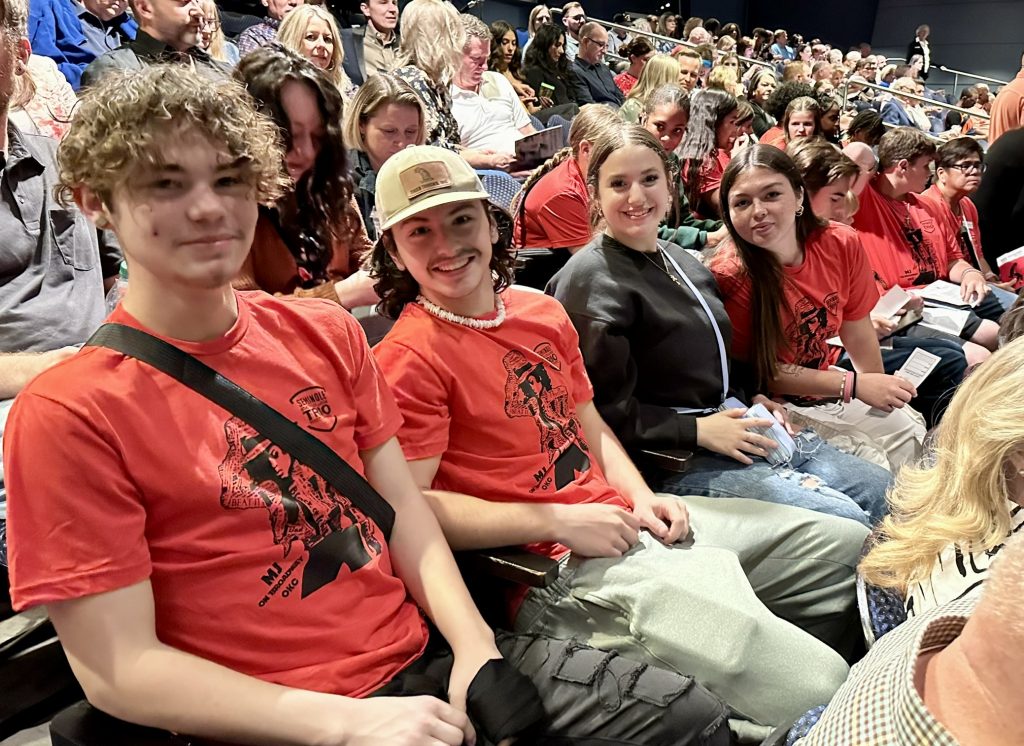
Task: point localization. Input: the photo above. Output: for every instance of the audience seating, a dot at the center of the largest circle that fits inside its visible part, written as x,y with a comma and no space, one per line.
881,609
35,678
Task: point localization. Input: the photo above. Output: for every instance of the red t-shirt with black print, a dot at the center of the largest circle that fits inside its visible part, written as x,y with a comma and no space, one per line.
968,220
832,285
497,405
909,242
118,474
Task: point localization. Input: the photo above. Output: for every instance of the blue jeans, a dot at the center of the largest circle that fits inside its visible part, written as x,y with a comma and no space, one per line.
827,480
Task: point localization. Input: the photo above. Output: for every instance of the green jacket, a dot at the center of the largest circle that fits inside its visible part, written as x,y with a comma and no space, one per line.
685,230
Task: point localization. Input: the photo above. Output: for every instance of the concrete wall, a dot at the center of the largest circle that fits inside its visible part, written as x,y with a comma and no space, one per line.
979,36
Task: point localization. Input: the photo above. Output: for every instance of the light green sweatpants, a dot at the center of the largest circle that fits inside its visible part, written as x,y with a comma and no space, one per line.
751,606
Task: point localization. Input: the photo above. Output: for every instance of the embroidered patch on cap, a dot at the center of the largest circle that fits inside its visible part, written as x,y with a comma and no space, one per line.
424,177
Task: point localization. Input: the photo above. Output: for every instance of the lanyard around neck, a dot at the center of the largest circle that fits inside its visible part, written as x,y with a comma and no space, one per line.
722,355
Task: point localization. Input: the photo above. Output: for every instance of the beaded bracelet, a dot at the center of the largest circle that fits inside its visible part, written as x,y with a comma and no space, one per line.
842,388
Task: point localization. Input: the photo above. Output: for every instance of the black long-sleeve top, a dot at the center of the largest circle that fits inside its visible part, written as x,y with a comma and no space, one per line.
646,341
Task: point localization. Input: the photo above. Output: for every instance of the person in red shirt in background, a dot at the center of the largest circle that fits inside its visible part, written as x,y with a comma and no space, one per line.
802,120
1008,107
792,281
638,50
552,210
909,241
959,165
707,148
777,104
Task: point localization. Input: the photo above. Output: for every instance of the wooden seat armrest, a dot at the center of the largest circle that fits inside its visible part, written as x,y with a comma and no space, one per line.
514,564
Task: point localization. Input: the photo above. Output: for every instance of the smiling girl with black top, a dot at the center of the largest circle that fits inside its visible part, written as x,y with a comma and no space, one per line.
655,337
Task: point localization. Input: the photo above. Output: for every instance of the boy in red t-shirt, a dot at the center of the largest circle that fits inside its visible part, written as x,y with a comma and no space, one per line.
201,578
908,238
501,427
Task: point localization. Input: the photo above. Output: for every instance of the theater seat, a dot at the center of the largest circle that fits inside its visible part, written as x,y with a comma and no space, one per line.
881,609
35,678
84,725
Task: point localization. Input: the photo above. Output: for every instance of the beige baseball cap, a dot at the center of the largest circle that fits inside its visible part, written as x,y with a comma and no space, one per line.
421,177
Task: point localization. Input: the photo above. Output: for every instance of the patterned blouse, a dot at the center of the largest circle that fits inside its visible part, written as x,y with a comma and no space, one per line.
442,129
49,111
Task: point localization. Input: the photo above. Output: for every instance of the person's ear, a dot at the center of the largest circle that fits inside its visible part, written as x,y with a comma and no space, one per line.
22,52
93,207
144,9
903,165
494,228
392,249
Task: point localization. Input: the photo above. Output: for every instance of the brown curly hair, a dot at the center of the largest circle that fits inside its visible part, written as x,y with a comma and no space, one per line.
125,122
396,287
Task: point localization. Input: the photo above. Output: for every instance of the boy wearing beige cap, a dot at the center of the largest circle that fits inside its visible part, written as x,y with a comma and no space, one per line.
501,430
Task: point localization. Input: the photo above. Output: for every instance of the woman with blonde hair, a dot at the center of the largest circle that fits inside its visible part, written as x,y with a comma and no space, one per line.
211,36
312,31
724,78
428,58
660,70
950,518
384,117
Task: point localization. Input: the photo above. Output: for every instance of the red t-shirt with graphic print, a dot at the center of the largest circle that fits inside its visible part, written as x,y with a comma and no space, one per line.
497,405
908,242
118,474
557,211
710,174
968,220
832,285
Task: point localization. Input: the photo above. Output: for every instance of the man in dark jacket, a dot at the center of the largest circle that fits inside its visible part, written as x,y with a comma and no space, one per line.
168,32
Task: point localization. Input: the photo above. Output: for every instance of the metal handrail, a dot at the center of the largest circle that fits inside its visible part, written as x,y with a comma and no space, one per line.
929,135
903,94
972,76
677,42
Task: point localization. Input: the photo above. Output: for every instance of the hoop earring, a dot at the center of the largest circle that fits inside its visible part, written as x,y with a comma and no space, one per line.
799,210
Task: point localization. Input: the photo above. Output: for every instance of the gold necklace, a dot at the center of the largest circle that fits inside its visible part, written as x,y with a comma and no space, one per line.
663,268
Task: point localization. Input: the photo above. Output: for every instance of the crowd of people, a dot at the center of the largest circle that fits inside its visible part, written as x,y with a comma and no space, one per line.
248,535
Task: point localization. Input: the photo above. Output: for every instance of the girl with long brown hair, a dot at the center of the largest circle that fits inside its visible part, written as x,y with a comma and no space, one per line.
792,282
655,337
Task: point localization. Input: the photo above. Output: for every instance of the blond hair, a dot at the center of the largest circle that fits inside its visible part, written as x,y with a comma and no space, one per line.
293,31
376,92
14,18
962,498
218,43
127,121
433,38
724,79
660,70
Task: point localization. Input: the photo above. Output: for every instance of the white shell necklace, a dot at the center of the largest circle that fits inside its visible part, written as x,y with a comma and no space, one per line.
443,313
